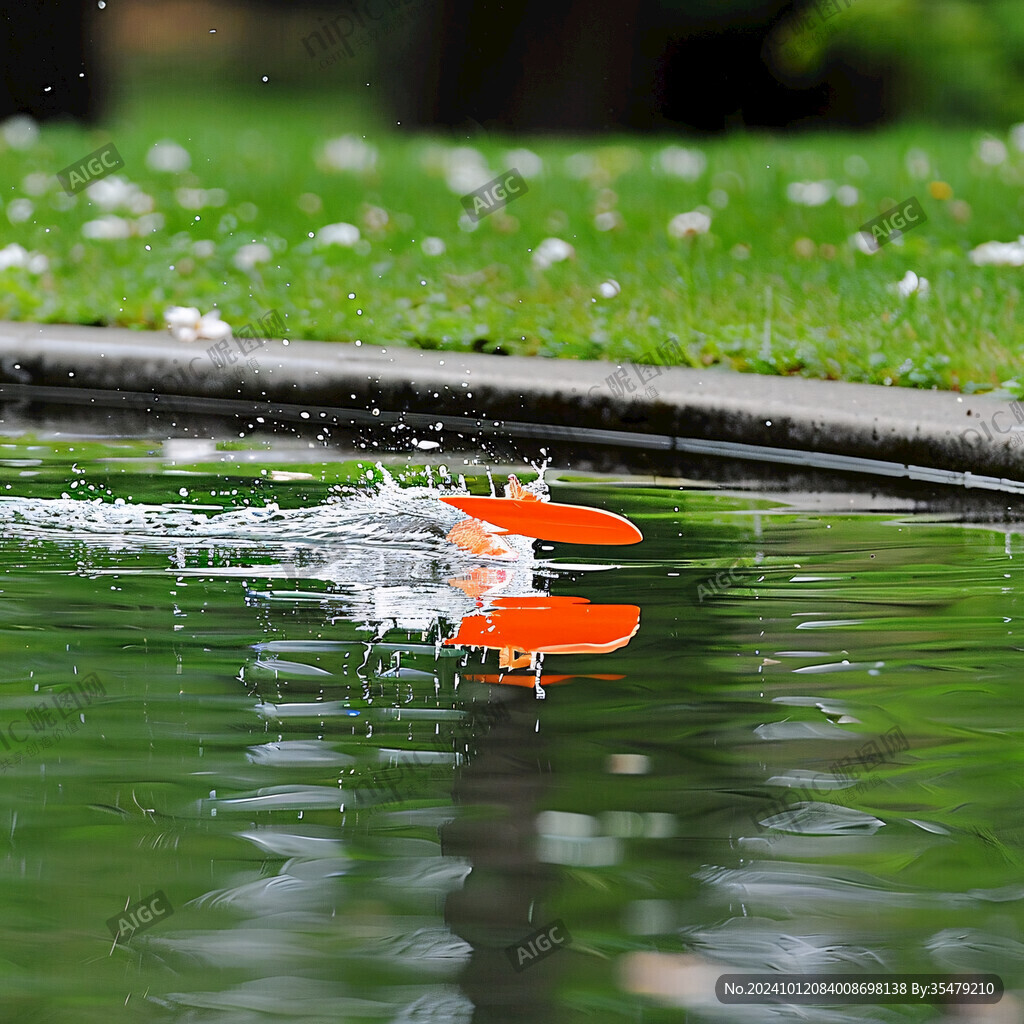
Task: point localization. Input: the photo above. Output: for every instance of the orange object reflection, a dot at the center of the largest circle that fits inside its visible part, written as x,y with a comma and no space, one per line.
510,680
547,625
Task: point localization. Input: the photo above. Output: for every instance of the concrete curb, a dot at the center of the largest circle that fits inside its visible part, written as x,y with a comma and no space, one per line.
810,422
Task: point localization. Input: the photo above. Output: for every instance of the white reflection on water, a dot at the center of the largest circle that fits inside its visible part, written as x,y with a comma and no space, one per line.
783,884
299,998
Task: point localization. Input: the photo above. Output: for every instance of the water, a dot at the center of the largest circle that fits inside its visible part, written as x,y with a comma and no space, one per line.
348,822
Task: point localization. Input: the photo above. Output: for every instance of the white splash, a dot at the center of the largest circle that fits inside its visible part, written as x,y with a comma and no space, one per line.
381,548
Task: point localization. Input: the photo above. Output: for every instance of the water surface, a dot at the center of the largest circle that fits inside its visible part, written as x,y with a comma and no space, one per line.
806,758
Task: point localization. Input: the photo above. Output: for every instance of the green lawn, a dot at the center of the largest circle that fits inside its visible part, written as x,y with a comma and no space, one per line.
772,287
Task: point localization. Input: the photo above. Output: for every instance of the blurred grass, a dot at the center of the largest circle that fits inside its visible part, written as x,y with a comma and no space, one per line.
773,287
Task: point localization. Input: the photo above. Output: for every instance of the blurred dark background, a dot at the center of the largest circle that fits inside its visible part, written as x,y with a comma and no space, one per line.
621,64
48,61
529,65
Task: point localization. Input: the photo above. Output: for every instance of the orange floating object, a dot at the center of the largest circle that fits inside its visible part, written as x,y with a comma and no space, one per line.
548,520
548,625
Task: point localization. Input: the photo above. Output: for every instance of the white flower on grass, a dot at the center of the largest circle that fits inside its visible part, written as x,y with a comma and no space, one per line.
375,218
525,161
552,250
608,220
909,285
15,255
847,195
809,193
466,178
804,248
348,153
37,183
917,163
580,165
197,198
20,131
432,246
688,164
992,151
113,227
999,254
107,227
338,234
856,166
19,210
140,203
148,223
167,155
602,166
249,255
466,169
115,192
110,192
685,225
185,324
609,289
863,242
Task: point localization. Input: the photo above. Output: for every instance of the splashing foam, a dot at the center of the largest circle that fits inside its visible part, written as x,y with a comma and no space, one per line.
382,546
387,513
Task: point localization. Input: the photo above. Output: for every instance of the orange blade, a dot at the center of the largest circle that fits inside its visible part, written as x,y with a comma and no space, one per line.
547,520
